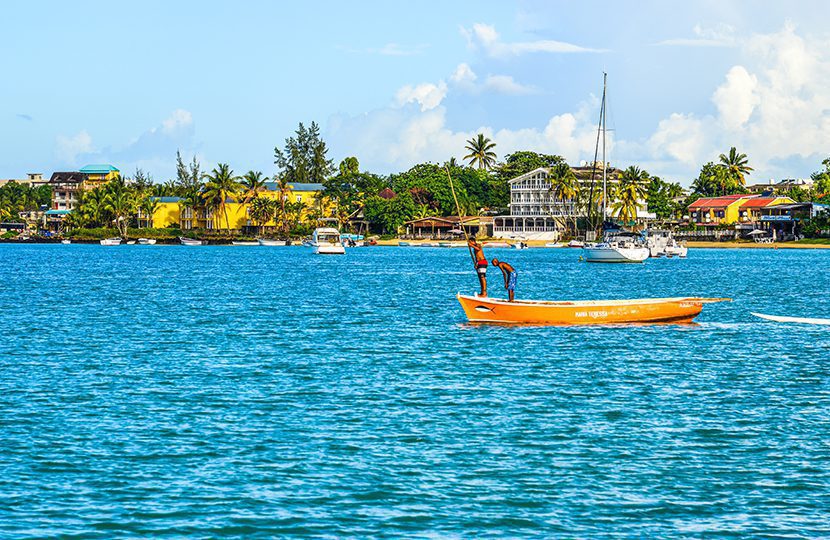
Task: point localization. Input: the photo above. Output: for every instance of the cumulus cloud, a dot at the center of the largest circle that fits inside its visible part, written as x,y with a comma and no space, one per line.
463,75
155,149
70,147
427,95
737,97
484,37
505,84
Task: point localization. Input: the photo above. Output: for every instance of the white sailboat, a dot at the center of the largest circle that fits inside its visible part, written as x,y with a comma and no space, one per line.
620,247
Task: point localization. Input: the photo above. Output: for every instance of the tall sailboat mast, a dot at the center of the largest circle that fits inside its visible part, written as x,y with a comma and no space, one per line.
604,165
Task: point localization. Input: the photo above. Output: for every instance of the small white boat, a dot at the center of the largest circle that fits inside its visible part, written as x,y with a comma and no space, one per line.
244,243
131,242
270,242
576,244
111,242
801,320
147,241
326,241
520,245
404,244
554,245
190,241
497,245
618,247
66,242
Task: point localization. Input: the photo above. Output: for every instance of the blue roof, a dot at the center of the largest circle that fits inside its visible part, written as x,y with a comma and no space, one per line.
296,186
166,199
57,212
98,169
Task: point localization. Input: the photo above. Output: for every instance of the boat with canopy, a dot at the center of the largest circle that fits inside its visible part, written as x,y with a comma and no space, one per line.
681,310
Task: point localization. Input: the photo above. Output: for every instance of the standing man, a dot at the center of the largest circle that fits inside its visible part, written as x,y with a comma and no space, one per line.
509,276
480,264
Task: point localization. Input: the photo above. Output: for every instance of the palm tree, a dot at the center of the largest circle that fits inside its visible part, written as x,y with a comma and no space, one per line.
148,207
221,186
630,192
120,203
283,188
481,152
564,186
252,184
736,164
262,211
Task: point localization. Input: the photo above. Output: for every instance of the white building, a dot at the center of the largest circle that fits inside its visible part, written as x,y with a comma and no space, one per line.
535,214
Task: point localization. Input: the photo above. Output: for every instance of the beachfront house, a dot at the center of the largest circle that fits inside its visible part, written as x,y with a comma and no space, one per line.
535,212
749,212
448,227
785,219
713,211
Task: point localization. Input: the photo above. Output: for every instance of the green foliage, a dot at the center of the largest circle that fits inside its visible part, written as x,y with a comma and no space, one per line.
717,179
349,188
736,165
661,196
516,164
390,214
630,190
16,198
304,157
221,186
188,177
428,184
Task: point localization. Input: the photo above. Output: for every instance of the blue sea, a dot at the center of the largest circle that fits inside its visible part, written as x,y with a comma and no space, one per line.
168,391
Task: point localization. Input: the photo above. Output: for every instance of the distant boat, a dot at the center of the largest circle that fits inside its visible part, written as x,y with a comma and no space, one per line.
147,241
269,242
326,241
497,245
66,241
802,320
520,245
576,244
131,242
404,244
111,242
244,243
554,245
617,248
190,241
661,243
643,310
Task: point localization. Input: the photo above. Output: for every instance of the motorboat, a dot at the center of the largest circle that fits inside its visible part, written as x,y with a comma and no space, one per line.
495,245
575,244
65,242
554,245
240,243
111,242
644,310
270,242
661,243
190,241
147,241
520,245
131,242
618,247
326,241
404,244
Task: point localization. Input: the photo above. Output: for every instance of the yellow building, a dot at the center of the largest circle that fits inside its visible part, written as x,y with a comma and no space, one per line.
170,209
718,210
97,175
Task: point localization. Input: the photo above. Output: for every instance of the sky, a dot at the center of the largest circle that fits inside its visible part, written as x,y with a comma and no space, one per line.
395,84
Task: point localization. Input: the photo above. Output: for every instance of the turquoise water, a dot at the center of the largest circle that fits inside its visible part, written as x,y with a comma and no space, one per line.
236,391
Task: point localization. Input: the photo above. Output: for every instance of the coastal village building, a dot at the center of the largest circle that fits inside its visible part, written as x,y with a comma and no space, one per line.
32,180
718,210
170,211
447,227
536,214
67,187
780,186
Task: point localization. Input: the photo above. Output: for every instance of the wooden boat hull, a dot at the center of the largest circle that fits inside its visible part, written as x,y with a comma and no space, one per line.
645,310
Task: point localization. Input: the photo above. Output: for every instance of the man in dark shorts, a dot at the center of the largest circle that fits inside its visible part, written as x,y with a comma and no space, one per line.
510,276
480,264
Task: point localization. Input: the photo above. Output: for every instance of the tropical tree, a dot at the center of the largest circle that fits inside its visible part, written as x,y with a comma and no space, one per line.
481,152
220,187
120,202
283,189
736,164
262,211
148,207
564,188
303,159
253,184
630,192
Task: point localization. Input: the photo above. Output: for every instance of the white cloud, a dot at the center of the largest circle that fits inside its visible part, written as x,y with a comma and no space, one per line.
70,147
737,97
505,84
427,95
721,35
484,37
463,75
180,120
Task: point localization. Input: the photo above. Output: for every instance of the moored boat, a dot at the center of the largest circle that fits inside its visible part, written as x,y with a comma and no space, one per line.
498,245
643,310
619,247
66,241
111,242
575,244
554,245
404,244
241,243
326,241
147,241
271,242
190,241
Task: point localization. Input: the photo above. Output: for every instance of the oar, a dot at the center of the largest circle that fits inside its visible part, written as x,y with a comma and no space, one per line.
460,217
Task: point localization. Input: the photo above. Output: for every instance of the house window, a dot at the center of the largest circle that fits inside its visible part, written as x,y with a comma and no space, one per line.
299,198
720,213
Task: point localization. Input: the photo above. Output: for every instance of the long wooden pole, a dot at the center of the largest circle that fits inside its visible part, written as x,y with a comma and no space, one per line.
460,217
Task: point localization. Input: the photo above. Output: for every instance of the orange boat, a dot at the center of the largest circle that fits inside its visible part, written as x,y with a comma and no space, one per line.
644,310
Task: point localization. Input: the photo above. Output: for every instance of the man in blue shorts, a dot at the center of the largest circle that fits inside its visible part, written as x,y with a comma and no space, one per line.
509,276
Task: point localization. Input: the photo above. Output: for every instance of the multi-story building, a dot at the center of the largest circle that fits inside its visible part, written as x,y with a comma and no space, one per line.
32,180
536,213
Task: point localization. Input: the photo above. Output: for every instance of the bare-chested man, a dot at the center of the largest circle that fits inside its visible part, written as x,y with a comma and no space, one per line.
509,277
480,264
